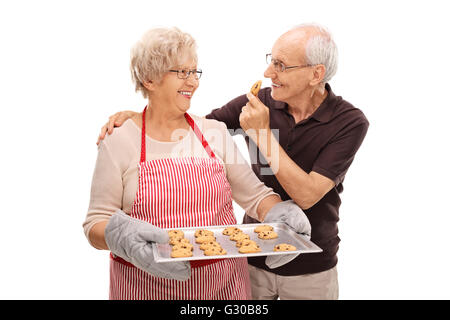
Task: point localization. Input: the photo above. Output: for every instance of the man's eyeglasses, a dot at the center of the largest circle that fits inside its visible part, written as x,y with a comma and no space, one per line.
280,66
185,73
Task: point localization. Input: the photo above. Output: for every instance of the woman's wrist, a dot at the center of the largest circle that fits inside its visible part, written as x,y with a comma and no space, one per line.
97,235
266,204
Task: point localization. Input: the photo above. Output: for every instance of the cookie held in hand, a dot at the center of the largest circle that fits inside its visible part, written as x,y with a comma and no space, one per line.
255,88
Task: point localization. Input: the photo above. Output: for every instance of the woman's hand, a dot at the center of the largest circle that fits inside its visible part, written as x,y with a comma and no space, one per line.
116,120
131,239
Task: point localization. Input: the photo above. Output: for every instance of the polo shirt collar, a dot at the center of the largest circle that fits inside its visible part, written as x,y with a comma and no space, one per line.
324,112
279,105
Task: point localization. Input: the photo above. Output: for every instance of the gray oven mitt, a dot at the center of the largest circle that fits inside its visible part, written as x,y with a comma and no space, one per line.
291,214
131,239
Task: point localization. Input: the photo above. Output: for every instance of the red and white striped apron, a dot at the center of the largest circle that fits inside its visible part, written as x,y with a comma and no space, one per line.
176,193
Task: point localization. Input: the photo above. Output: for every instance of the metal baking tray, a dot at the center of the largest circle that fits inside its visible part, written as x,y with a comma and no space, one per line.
162,252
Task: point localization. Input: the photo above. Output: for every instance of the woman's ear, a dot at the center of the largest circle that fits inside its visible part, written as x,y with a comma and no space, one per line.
149,85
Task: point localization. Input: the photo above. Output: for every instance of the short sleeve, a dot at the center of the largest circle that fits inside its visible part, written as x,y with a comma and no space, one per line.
337,156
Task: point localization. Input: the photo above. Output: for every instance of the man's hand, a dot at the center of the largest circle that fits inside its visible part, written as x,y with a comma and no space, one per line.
115,120
254,118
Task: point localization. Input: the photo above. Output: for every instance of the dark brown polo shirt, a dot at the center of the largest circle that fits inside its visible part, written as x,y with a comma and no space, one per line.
326,143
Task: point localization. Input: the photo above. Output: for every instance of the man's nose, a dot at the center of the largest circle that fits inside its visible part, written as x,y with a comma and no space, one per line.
270,72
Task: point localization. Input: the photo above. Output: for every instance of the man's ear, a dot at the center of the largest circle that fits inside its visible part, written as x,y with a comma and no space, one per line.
318,74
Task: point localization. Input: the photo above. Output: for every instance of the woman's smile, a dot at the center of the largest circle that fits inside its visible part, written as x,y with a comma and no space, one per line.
186,94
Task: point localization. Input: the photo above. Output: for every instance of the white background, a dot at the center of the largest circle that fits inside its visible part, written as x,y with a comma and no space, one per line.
64,70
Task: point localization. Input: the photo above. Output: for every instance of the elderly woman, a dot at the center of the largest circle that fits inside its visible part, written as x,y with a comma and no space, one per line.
159,171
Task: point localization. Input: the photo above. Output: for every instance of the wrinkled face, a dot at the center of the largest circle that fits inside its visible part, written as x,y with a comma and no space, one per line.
289,85
174,92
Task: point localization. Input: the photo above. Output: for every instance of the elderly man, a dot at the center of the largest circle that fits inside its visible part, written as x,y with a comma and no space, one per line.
317,134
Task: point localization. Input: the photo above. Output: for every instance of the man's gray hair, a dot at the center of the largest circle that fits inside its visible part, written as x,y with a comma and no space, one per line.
321,49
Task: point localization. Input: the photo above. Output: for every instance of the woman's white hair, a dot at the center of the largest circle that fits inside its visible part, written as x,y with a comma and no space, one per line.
158,50
321,49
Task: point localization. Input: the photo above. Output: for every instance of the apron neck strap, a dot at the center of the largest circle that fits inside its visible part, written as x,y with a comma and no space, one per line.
200,136
194,127
143,151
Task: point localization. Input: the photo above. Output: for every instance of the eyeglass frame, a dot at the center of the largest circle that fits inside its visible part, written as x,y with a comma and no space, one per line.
197,72
283,66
